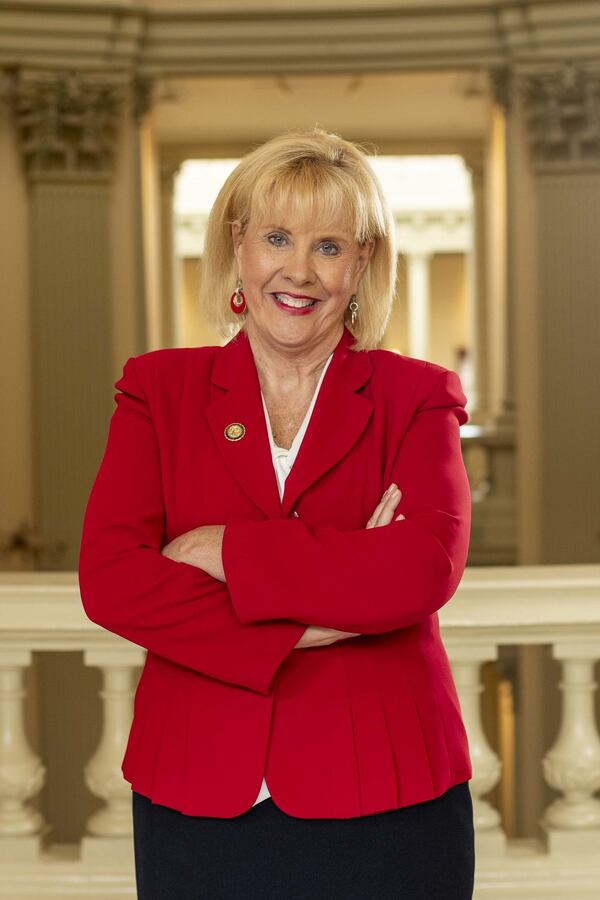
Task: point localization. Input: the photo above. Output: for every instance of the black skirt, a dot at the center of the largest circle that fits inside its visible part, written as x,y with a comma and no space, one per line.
420,852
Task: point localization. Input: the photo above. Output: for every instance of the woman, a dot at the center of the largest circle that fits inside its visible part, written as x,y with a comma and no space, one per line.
277,521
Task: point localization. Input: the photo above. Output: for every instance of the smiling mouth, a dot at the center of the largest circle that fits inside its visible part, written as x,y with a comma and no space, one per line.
294,302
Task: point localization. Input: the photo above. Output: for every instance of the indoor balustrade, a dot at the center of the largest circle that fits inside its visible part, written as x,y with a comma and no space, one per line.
557,607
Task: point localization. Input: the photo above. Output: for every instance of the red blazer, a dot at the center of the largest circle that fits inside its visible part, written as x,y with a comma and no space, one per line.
367,724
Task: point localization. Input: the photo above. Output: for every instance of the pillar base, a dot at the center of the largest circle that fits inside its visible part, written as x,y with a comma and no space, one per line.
26,849
574,842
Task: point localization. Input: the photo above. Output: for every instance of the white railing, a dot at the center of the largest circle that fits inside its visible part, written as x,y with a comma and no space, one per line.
525,605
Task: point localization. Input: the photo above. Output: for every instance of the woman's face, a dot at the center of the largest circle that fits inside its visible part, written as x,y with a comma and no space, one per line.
299,263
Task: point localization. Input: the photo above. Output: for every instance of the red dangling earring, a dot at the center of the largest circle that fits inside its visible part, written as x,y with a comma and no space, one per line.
237,301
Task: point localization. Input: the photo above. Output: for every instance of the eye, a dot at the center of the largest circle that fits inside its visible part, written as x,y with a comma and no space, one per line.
331,244
276,235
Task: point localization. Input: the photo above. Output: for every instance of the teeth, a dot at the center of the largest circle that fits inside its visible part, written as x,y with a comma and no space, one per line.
293,301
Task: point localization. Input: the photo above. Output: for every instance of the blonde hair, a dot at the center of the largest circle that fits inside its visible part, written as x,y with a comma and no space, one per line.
324,177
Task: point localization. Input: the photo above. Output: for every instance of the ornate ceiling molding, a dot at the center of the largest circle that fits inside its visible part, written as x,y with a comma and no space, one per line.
162,39
546,50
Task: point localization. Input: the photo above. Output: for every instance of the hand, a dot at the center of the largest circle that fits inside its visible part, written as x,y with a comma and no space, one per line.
315,636
200,547
385,509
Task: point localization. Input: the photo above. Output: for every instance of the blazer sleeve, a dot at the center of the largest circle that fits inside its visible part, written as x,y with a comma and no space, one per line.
374,580
128,587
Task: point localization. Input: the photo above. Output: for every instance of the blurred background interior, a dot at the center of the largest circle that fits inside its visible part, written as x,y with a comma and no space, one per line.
118,124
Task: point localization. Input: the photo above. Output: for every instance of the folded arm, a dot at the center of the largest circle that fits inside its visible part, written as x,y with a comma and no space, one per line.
375,580
128,587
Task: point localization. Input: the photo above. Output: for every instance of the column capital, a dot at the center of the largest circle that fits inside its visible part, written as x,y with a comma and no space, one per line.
501,85
67,120
142,93
168,168
562,111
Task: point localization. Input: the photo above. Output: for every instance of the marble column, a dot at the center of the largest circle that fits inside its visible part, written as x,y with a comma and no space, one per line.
553,271
418,303
561,108
511,364
66,123
505,419
170,272
478,301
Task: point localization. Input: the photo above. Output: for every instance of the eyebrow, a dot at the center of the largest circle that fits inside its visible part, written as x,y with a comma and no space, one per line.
287,231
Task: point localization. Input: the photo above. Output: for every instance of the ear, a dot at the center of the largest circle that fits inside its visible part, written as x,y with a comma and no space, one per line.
364,255
236,236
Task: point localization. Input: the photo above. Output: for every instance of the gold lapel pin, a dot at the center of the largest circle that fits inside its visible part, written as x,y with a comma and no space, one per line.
235,431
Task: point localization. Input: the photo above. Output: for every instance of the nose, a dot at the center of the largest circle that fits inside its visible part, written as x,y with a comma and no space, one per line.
298,268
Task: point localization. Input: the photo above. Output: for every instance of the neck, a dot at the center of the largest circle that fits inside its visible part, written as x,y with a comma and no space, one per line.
285,369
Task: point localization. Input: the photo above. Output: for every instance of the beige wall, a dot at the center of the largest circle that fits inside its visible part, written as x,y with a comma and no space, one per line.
16,451
449,314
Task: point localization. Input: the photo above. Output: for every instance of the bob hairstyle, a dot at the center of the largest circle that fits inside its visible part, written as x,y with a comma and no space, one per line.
322,178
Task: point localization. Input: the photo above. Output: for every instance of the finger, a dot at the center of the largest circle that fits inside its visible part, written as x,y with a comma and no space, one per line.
387,507
376,518
376,513
386,498
391,503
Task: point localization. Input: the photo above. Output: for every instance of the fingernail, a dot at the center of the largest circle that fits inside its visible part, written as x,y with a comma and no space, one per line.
400,517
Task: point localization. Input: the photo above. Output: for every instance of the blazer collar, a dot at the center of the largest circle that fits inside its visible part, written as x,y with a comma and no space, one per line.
338,419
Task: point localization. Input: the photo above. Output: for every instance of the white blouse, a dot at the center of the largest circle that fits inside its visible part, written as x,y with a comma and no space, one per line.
283,460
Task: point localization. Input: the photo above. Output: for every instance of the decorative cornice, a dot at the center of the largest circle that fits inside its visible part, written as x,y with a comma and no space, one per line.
162,39
562,109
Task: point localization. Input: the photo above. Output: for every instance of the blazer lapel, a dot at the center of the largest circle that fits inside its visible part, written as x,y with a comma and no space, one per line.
249,458
338,419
